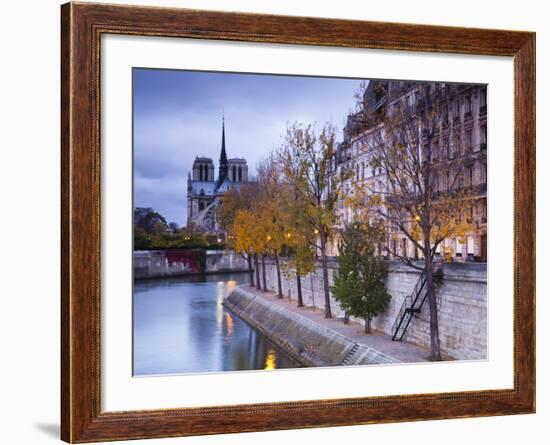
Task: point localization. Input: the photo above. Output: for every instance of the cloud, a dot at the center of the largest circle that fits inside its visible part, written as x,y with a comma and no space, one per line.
178,117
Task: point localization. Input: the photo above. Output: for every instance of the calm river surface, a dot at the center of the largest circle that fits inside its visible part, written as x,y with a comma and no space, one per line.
180,326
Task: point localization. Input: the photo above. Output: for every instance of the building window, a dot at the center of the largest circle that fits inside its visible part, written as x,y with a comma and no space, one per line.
483,173
201,205
445,148
445,114
471,245
456,108
470,172
468,104
458,248
240,174
200,172
468,137
483,98
483,135
456,147
460,181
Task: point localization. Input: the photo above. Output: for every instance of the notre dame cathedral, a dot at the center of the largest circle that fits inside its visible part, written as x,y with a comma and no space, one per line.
204,191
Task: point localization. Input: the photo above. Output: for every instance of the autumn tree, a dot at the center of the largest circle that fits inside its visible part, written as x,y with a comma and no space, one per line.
301,250
270,210
237,198
235,202
306,161
421,164
301,261
258,234
359,283
243,230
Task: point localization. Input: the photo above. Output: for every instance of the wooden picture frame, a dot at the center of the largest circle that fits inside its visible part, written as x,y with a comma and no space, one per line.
82,25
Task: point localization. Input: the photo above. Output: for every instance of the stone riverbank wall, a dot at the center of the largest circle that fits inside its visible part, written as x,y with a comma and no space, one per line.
462,304
176,262
305,341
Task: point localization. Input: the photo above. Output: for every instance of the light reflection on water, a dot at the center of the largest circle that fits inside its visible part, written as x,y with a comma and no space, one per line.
270,360
181,326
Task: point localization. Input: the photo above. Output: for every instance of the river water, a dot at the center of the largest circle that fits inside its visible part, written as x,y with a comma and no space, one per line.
180,326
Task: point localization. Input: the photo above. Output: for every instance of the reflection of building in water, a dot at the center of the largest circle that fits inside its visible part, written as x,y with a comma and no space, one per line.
205,192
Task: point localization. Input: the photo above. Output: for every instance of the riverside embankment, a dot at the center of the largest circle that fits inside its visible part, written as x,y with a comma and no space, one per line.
461,297
181,262
309,338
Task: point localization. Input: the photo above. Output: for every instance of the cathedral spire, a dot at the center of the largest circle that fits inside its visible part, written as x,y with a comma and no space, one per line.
223,157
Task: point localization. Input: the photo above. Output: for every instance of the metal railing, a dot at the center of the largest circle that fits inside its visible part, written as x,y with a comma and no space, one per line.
412,304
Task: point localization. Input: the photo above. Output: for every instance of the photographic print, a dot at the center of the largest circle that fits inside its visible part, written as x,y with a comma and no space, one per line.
290,221
298,202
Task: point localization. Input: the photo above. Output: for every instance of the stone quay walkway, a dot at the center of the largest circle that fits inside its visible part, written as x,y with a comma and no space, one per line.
401,350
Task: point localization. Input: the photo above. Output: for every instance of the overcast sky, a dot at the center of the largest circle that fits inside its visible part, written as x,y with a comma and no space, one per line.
178,116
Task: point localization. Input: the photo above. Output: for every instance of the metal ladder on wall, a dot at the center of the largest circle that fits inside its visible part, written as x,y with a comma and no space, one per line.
411,305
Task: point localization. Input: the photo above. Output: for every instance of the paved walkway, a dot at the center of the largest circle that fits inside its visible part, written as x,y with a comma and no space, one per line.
401,350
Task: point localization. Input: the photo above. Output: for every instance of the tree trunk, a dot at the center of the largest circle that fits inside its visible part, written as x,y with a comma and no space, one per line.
279,285
250,271
367,325
257,266
328,313
434,324
299,288
263,273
